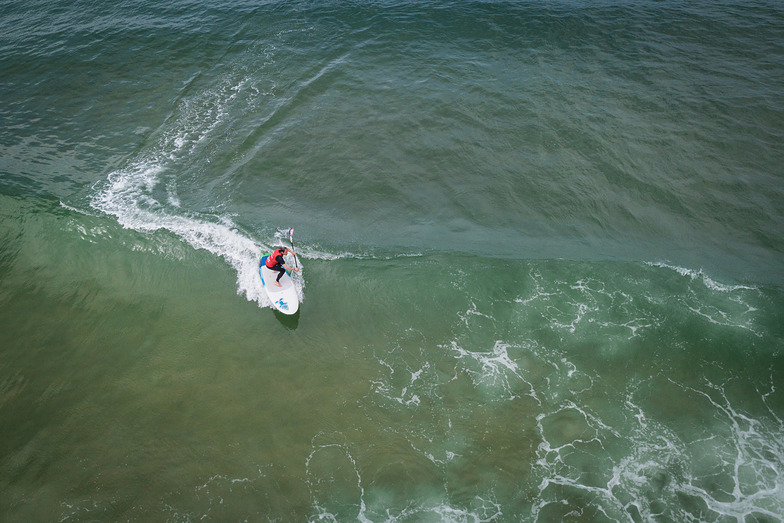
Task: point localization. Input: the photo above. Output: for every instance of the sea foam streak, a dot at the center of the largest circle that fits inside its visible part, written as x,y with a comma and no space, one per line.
142,198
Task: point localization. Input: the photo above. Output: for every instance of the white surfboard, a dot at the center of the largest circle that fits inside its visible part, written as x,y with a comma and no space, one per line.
283,298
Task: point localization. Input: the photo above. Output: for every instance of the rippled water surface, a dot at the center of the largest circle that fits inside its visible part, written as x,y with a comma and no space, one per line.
541,250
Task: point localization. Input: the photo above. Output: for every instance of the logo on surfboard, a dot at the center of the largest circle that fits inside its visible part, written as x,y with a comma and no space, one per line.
283,304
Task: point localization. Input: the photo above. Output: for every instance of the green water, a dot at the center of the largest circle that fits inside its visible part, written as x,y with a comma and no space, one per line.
540,245
128,396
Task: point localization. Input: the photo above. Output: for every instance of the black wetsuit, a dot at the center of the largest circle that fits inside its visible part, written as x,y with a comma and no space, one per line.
278,266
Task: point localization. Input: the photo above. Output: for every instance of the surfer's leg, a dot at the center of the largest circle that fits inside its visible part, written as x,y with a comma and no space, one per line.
280,275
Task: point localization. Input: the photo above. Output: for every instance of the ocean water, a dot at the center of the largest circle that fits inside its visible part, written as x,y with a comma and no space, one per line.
542,251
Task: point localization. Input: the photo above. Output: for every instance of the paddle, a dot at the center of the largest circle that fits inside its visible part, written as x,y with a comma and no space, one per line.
291,240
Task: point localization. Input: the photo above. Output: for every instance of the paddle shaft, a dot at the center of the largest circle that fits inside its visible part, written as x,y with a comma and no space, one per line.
291,240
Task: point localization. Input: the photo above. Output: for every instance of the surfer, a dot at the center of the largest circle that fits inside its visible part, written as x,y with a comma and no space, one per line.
275,262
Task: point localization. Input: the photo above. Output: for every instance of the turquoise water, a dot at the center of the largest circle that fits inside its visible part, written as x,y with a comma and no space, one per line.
541,250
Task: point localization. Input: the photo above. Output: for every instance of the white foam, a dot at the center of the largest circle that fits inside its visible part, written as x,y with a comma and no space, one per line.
316,254
701,275
495,368
735,471
386,389
312,481
130,193
473,311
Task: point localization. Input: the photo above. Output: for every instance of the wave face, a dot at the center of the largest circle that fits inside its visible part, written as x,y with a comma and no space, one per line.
542,245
